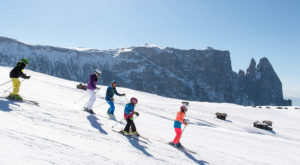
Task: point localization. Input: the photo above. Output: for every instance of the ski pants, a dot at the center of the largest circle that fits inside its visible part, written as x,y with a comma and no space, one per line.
90,103
178,135
130,124
111,109
16,84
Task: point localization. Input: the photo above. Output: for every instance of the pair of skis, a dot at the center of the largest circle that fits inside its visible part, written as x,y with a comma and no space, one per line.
183,148
22,101
138,138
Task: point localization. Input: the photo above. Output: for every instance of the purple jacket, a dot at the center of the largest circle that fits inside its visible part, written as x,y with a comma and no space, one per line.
92,82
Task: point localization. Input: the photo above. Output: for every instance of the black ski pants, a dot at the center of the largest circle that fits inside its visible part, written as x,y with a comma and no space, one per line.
130,124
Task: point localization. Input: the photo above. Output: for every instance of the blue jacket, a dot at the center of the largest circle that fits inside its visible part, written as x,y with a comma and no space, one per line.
129,111
110,93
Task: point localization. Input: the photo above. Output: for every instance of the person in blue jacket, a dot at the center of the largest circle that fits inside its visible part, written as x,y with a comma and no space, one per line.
128,116
111,90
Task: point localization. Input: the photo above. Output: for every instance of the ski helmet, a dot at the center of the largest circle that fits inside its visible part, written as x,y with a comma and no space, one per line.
25,60
114,81
183,108
97,71
133,100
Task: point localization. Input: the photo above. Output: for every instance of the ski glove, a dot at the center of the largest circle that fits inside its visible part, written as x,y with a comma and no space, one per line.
136,113
186,121
26,77
123,94
112,99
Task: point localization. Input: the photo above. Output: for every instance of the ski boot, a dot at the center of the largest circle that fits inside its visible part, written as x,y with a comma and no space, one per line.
110,115
15,97
89,110
178,145
135,133
126,132
172,144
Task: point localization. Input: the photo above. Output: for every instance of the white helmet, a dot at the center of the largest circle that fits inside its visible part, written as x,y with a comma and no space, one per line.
97,71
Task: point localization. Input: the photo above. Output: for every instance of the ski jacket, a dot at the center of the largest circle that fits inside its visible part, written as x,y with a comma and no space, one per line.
179,119
129,111
110,93
92,82
18,70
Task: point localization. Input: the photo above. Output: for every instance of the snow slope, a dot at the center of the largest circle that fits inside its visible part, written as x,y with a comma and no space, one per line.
58,132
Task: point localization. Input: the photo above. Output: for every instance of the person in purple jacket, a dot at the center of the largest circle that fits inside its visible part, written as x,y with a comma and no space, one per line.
91,86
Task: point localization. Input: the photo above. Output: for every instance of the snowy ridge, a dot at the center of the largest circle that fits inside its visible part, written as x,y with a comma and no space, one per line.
200,75
58,132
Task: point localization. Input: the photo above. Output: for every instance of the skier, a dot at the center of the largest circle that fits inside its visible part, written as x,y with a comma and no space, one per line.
15,74
128,115
111,90
177,125
91,86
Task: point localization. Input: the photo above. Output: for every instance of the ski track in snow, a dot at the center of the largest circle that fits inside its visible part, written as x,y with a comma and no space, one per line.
57,131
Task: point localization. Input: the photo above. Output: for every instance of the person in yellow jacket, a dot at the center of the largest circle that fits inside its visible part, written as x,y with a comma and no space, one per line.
15,74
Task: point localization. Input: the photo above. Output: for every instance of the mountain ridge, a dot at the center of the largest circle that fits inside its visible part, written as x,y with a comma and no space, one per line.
203,75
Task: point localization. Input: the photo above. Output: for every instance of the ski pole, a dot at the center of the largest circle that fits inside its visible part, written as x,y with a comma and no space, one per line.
126,98
13,86
75,102
6,82
90,98
183,129
99,105
118,123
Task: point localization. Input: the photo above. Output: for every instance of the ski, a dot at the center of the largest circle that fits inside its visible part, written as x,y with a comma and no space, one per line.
143,137
131,136
182,148
23,101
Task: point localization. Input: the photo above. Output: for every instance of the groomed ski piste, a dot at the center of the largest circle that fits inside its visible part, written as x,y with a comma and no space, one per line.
57,131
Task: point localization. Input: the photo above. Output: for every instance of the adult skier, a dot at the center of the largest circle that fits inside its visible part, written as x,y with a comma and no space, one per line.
128,115
91,86
15,74
177,125
111,90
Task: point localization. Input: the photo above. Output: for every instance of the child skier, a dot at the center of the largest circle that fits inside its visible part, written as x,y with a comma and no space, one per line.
91,86
177,125
111,90
15,74
128,115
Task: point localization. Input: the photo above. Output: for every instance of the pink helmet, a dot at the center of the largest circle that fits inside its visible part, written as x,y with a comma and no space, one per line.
133,100
182,108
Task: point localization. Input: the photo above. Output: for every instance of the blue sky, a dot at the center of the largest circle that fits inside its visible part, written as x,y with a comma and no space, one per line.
247,28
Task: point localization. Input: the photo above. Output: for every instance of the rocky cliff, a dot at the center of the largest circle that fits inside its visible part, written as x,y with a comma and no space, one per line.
204,75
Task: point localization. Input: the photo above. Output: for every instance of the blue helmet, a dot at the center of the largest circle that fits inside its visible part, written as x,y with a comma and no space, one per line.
114,81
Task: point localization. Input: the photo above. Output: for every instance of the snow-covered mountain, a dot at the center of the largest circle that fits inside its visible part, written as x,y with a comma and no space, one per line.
203,75
57,131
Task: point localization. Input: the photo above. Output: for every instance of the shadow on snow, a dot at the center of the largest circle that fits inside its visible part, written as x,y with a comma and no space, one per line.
94,123
135,143
4,105
190,156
